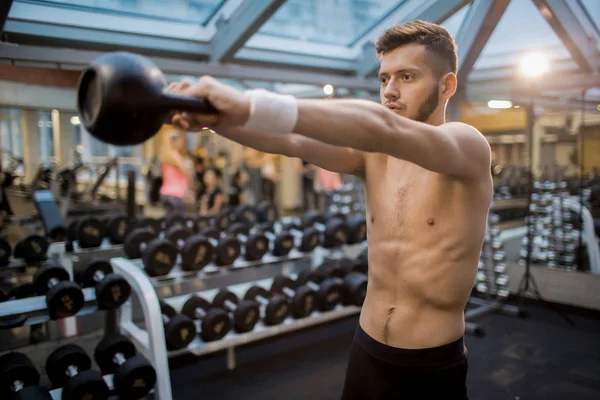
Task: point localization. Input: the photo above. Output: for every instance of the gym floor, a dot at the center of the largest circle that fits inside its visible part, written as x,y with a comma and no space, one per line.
541,357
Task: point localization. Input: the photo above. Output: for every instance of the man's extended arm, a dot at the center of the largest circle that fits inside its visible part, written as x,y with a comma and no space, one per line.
454,149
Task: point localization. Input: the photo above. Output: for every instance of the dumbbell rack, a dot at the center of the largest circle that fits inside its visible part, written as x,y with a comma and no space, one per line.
490,279
150,339
348,199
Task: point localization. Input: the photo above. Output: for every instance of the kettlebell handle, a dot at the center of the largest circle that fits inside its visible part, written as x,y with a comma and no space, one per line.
191,104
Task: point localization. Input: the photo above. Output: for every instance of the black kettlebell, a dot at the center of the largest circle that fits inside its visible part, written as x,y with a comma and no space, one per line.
120,99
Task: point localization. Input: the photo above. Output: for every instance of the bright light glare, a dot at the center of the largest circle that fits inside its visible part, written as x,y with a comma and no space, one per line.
75,120
500,104
533,65
328,90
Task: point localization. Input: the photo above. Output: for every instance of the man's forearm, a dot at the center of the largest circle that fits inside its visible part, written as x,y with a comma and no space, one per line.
262,141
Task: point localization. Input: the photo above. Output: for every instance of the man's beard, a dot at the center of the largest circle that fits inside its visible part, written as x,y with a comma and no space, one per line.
429,105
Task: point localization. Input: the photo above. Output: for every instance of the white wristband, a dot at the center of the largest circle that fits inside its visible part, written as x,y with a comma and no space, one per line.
271,112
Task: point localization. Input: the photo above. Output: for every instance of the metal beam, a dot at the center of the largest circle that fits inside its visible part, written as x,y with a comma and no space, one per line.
74,58
567,81
243,23
37,33
476,29
266,57
4,9
566,25
430,10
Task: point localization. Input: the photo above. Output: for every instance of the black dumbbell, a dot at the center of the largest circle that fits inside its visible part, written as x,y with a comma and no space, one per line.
112,290
150,224
281,243
274,309
358,228
336,232
175,221
179,329
32,249
226,249
158,255
329,291
245,312
266,212
134,376
302,297
5,252
117,228
245,214
196,250
200,223
64,298
256,245
19,379
215,322
309,237
22,291
69,367
221,220
88,232
354,289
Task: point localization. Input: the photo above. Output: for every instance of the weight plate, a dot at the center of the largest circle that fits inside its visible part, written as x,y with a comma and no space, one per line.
16,366
159,257
5,252
192,304
176,233
176,221
358,229
239,228
43,276
228,250
215,325
256,247
34,248
255,291
303,302
58,234
135,378
211,232
309,276
277,310
311,238
112,292
281,282
31,393
266,212
245,316
65,299
222,221
133,242
223,296
197,252
90,233
107,349
86,385
355,285
86,278
179,332
118,228
244,214
151,225
283,244
337,233
329,294
59,360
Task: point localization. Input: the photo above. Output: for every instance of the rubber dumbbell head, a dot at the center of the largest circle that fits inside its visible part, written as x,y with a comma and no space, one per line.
63,297
90,233
245,312
118,228
5,252
302,297
19,379
245,214
134,375
309,236
158,255
179,329
275,309
150,224
266,212
112,290
358,229
176,221
282,243
336,232
69,367
255,245
122,101
226,249
215,322
196,253
221,220
355,289
329,291
32,249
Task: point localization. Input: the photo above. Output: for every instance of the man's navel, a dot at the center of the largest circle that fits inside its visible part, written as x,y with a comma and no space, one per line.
431,222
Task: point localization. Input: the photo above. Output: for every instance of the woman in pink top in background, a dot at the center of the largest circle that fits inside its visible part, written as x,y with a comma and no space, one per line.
176,176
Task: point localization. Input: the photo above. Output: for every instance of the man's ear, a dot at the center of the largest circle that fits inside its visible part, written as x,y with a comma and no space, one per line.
448,85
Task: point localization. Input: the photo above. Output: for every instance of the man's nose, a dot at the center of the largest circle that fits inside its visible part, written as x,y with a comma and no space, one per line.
391,92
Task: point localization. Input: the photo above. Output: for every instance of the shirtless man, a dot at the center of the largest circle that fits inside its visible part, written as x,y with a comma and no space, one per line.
428,187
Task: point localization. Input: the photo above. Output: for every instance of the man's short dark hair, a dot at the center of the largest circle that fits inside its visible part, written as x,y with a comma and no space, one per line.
438,42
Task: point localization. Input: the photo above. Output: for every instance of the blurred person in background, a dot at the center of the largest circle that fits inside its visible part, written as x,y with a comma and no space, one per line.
237,191
212,200
175,166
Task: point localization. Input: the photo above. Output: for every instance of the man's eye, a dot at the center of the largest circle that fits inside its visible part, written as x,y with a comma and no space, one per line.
383,80
407,77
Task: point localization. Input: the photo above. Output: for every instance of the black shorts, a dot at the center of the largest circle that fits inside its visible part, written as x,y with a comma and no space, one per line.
378,371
